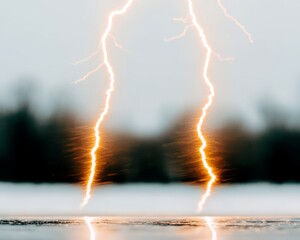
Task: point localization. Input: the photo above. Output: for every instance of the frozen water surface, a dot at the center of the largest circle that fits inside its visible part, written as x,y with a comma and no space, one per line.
136,228
149,200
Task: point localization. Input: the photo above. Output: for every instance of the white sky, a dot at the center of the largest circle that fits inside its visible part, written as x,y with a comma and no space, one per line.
156,81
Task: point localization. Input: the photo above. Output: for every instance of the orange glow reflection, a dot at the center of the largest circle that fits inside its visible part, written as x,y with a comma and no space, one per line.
210,224
88,221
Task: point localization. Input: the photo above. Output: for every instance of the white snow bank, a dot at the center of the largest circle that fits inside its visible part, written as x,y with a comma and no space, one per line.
152,199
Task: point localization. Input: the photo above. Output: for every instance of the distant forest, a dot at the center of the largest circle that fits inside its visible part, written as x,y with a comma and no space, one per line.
56,150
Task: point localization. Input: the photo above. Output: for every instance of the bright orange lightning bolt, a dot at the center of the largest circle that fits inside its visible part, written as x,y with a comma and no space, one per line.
241,26
111,73
206,106
209,52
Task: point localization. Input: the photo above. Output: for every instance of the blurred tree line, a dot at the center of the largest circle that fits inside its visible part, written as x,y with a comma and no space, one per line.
35,151
57,150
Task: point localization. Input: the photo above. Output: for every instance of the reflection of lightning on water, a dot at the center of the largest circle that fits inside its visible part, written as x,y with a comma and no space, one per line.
88,221
210,224
109,68
92,234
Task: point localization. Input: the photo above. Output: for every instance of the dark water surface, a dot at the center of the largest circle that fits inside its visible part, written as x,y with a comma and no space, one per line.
163,228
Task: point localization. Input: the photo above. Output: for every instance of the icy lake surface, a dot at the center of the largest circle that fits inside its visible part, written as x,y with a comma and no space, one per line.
149,200
152,200
161,228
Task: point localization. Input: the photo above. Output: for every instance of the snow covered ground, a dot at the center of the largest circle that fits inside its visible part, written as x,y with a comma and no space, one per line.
149,199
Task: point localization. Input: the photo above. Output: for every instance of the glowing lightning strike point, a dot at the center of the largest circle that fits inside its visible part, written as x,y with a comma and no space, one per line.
206,106
111,73
243,28
88,222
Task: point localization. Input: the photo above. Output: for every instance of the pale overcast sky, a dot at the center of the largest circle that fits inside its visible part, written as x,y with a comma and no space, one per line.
156,81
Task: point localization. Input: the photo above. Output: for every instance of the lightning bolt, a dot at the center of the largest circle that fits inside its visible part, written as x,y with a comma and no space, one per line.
88,222
241,26
192,22
207,105
106,63
109,68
